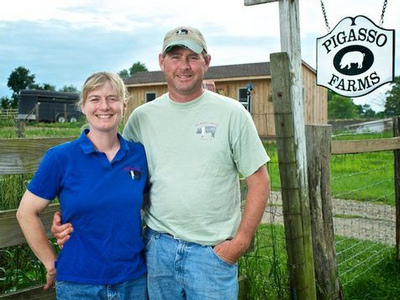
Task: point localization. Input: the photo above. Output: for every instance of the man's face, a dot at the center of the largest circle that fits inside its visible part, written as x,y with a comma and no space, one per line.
184,71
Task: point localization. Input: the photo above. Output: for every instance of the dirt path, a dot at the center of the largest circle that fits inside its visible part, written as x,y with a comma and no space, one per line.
361,220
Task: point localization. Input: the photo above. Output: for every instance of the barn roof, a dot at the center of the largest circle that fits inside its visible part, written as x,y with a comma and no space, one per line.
213,73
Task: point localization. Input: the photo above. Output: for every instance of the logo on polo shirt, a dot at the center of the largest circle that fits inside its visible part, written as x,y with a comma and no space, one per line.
133,172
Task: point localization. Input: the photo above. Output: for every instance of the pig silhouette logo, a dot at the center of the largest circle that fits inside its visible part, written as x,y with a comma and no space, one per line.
354,57
206,130
353,60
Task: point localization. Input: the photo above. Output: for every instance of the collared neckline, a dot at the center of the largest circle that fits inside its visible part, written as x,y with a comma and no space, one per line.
88,147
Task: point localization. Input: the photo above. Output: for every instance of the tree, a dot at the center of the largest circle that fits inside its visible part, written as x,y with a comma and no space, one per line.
136,67
340,107
123,73
69,89
42,87
392,104
20,79
5,102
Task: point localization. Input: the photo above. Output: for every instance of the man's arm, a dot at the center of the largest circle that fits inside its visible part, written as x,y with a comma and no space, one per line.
257,196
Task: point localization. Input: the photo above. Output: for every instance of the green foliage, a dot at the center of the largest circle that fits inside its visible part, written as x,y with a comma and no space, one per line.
69,89
382,278
392,104
123,74
265,266
5,102
42,87
340,107
136,67
20,79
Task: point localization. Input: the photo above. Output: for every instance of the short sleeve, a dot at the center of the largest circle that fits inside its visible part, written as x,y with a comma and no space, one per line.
248,151
47,180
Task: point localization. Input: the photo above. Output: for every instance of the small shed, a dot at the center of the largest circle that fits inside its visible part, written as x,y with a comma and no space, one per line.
235,81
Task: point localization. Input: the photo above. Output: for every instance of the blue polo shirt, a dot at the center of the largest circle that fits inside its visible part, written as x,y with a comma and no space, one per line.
102,200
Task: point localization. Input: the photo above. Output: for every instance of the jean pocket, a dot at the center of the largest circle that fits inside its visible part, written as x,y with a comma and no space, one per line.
148,236
220,259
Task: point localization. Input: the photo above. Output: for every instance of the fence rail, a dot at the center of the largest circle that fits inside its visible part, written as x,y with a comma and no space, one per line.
8,114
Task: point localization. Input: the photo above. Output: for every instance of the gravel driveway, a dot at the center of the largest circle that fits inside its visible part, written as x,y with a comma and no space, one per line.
356,219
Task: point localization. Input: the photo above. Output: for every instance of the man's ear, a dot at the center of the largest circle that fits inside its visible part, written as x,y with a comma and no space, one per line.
161,61
208,60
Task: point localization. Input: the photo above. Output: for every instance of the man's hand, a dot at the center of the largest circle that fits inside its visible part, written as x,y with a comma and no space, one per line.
61,231
231,250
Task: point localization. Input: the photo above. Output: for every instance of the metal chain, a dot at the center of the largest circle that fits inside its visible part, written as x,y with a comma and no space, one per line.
383,13
325,18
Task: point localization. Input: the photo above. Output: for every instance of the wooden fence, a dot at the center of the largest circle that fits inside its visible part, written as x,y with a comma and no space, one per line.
8,114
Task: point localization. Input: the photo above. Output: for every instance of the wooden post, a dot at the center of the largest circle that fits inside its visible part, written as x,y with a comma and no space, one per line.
65,112
396,132
319,185
296,208
37,111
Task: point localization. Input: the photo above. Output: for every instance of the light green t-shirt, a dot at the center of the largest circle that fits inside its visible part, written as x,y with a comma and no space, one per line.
195,151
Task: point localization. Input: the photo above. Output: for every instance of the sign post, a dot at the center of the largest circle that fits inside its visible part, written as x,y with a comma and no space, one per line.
289,123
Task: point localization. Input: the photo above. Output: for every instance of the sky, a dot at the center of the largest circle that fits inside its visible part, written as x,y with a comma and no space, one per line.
63,42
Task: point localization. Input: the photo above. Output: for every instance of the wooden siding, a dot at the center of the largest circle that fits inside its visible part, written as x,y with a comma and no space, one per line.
315,99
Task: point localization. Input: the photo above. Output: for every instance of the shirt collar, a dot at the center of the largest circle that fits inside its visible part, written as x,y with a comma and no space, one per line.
88,147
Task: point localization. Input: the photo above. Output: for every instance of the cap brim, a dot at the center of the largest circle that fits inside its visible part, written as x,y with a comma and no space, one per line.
185,43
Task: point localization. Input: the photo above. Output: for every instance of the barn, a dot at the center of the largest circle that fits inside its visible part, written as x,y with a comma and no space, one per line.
234,81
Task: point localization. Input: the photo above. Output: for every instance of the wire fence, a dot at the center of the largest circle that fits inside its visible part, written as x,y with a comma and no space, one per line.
363,201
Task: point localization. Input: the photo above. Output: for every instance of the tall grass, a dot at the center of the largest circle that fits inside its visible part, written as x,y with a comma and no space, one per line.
267,275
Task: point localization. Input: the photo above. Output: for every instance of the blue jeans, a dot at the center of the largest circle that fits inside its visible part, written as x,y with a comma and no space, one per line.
134,289
179,270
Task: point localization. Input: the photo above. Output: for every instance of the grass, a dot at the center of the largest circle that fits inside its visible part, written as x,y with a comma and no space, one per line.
43,129
364,177
266,271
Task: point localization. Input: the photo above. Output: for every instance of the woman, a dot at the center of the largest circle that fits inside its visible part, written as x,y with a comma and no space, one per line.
99,179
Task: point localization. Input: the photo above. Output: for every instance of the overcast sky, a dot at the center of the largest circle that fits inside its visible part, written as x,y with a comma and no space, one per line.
63,42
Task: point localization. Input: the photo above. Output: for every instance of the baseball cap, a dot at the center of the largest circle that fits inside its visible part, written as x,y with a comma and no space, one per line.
185,36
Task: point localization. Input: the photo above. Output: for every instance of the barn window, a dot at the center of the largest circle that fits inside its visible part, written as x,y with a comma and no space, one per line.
244,98
150,96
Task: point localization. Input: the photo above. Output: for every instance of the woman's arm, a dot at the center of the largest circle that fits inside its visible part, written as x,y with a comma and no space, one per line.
28,217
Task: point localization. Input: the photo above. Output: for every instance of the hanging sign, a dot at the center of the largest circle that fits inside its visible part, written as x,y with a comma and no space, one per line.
356,57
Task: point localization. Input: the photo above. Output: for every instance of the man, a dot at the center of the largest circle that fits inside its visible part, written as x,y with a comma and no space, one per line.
197,142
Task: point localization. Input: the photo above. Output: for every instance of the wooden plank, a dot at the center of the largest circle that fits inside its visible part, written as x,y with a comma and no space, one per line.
348,147
21,156
319,186
11,233
396,132
255,2
33,293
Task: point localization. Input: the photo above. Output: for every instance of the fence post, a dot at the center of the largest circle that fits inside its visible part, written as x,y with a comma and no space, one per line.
396,132
318,139
296,210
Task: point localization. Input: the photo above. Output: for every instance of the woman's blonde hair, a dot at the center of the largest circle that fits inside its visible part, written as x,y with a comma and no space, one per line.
99,79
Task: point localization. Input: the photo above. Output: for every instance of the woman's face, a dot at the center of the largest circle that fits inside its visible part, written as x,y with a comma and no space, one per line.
103,109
